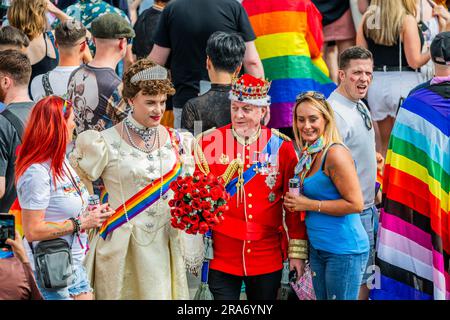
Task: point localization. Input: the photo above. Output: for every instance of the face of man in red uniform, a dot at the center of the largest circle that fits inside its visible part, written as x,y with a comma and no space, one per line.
246,118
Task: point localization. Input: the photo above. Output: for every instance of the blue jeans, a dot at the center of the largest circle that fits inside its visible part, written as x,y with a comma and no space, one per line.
369,219
78,284
337,276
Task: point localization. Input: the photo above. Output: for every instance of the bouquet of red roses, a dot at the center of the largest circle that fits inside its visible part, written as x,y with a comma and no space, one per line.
199,202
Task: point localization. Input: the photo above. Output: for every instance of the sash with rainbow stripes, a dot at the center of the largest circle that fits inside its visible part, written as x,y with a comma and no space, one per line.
140,201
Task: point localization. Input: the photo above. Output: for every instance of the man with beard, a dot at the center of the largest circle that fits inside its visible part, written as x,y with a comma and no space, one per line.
15,74
355,126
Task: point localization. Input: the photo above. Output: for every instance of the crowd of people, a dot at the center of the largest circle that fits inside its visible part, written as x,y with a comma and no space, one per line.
326,121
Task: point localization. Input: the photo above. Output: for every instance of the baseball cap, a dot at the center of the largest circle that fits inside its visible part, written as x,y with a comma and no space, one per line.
440,48
111,26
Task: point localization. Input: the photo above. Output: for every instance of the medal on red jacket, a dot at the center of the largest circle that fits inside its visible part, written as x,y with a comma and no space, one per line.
271,197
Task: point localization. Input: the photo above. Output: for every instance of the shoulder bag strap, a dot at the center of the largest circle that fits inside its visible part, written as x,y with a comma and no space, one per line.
46,84
15,122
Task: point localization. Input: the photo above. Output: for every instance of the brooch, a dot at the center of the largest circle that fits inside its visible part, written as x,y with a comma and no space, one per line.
271,179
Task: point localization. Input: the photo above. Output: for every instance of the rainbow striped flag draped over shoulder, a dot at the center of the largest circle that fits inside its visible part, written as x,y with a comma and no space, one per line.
289,41
413,247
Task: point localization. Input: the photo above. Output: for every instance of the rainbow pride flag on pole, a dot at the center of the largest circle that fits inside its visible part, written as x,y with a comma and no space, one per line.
289,41
140,201
413,247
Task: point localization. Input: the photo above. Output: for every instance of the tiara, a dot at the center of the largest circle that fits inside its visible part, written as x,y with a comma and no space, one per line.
154,73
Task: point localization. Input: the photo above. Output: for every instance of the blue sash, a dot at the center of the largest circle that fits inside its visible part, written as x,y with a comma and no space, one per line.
272,147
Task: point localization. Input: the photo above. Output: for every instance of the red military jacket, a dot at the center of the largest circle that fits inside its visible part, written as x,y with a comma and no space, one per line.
249,241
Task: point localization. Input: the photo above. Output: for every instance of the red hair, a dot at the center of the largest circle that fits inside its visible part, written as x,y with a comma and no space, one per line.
45,137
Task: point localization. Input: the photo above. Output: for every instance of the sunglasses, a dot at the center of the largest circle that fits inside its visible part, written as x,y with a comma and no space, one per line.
365,115
310,94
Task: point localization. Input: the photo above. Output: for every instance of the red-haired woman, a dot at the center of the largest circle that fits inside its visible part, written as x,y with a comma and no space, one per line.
52,196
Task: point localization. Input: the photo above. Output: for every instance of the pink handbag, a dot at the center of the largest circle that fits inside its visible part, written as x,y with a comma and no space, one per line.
304,286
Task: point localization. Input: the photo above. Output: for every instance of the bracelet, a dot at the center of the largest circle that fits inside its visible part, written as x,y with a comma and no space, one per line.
320,204
76,225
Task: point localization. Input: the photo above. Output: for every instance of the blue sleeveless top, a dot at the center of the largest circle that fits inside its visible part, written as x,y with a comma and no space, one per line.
338,235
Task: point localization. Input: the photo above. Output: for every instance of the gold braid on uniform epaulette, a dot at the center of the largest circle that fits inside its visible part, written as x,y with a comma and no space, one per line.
231,170
281,135
199,156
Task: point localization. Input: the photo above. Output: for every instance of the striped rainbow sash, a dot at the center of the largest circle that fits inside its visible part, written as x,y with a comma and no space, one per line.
140,201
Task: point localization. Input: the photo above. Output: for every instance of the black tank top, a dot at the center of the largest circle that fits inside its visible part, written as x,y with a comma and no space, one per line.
47,63
388,55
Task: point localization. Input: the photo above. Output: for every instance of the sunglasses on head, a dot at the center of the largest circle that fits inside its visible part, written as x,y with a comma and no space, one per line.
310,94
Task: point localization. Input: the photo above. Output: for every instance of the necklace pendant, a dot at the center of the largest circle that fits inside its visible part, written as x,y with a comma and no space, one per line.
150,157
272,197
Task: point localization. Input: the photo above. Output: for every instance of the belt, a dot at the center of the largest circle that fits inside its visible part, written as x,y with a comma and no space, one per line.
393,68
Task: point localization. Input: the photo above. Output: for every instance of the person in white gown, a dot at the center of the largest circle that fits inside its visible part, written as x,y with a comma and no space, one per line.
139,255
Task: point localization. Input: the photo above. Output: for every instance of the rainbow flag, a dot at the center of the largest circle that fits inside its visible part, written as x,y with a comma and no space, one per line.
289,42
104,196
140,201
413,247
379,182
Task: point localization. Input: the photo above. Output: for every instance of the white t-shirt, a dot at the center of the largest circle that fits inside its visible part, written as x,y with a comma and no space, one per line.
36,191
58,78
359,140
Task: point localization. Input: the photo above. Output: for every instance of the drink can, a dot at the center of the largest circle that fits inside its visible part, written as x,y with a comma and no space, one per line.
93,201
294,186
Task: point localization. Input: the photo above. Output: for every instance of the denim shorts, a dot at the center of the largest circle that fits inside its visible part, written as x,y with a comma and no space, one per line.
369,219
78,284
336,276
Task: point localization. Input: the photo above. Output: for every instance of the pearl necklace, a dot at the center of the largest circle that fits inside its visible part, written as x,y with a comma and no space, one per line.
121,188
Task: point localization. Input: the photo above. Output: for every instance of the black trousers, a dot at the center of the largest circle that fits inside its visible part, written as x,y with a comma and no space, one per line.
225,286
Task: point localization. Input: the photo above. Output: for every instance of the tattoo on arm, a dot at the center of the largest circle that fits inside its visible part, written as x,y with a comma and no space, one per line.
60,229
333,174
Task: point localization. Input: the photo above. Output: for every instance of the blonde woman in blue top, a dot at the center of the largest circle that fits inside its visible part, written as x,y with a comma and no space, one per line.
332,199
